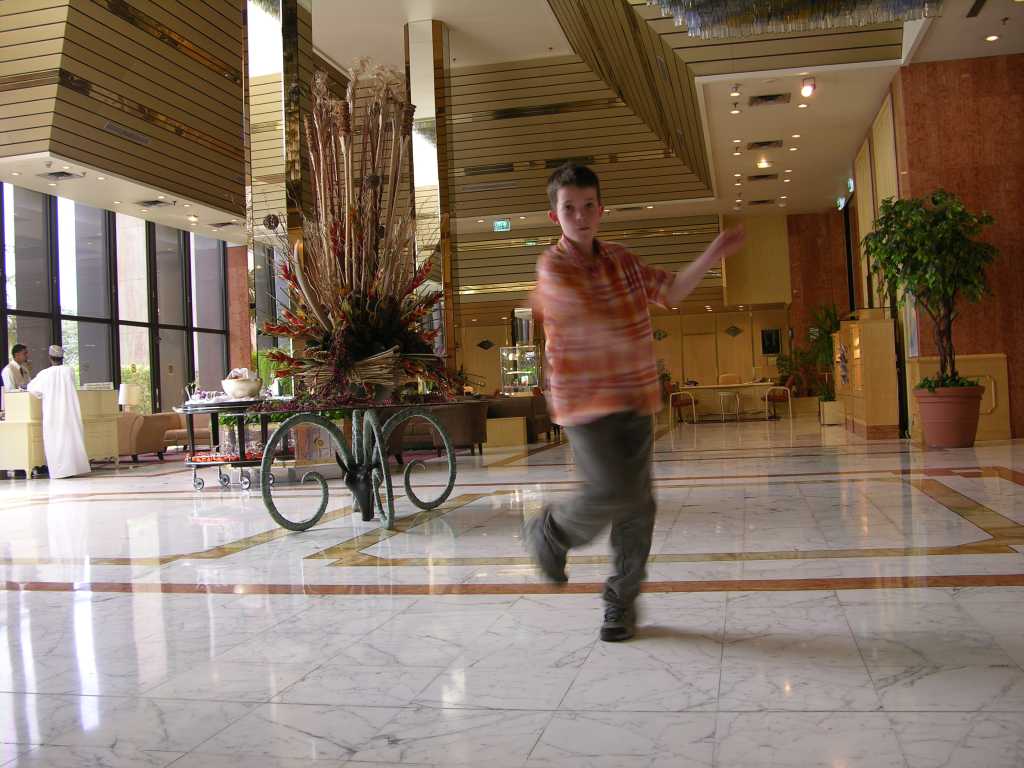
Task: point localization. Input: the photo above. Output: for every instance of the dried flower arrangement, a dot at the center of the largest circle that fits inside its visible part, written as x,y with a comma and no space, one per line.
358,305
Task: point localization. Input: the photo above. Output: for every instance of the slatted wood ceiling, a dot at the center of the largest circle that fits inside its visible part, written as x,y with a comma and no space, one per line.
147,89
513,122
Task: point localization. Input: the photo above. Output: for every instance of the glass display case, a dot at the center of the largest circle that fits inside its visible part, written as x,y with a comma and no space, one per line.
520,368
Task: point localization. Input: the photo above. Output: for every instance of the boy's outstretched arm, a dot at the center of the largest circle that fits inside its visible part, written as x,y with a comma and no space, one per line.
723,246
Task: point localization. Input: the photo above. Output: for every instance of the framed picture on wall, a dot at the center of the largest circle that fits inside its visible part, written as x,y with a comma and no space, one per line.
770,341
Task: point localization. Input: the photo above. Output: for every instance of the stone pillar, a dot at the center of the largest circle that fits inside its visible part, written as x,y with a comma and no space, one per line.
427,61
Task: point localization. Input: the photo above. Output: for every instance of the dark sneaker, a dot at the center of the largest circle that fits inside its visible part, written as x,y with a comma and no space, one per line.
545,553
619,624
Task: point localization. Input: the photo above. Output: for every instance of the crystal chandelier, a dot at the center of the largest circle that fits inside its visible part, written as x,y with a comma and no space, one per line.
740,18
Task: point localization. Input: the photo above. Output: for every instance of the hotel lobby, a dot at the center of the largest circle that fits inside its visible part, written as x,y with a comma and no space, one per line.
826,586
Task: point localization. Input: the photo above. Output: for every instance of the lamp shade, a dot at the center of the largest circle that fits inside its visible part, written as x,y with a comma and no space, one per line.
128,394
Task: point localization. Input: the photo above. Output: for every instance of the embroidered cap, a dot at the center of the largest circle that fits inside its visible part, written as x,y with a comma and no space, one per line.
55,351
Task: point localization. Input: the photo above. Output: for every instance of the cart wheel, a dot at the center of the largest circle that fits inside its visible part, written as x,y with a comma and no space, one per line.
244,480
223,479
197,483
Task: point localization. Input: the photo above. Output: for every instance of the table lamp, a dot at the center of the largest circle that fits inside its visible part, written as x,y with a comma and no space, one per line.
128,396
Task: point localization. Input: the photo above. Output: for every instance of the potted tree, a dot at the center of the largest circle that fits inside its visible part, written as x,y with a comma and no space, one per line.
928,248
824,322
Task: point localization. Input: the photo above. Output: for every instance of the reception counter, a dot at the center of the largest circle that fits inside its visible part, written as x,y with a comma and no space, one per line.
21,431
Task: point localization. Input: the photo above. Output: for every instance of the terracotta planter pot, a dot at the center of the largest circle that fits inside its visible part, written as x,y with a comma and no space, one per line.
949,415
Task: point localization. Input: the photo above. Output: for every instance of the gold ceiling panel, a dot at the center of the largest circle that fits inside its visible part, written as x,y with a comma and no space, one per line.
512,123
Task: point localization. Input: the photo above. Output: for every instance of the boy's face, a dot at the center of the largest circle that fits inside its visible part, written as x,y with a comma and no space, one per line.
578,213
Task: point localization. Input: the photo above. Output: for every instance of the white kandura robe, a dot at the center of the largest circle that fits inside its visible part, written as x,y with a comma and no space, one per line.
63,438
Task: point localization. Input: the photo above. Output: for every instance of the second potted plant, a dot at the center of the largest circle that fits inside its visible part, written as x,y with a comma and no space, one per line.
928,248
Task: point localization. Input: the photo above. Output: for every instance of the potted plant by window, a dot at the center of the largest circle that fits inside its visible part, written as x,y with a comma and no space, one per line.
928,248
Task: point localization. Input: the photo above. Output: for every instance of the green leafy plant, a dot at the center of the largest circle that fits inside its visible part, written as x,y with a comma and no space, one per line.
824,322
927,248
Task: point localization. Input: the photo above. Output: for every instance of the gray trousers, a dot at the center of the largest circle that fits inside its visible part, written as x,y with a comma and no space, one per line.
613,458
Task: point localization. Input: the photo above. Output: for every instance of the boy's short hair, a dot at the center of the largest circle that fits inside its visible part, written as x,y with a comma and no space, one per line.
17,348
571,175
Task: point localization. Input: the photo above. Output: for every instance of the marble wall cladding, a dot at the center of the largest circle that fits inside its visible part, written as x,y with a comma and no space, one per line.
239,323
817,266
960,126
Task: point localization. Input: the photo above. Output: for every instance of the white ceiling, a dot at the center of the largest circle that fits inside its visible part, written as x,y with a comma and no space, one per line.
480,31
831,129
955,36
111,192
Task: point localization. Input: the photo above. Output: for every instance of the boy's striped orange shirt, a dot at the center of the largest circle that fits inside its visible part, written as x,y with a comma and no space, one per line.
599,342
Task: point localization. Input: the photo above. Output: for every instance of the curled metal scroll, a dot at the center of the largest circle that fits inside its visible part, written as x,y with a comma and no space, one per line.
364,467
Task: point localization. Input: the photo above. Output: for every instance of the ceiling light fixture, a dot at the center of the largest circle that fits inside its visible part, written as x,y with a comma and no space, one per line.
52,184
807,87
15,173
783,197
736,153
66,167
188,205
789,170
764,163
101,178
479,221
648,207
160,197
145,210
737,183
786,181
193,218
739,200
735,92
796,136
735,108
793,149
991,38
737,175
117,202
521,218
801,106
737,141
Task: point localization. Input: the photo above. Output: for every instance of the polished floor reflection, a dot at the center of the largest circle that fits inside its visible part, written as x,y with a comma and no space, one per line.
813,600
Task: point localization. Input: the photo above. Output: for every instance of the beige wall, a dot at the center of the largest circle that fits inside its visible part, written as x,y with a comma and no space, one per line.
484,363
759,273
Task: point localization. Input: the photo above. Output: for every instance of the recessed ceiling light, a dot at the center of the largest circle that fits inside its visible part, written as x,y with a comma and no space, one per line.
473,320
737,183
648,207
737,141
117,202
214,229
807,87
737,175
188,205
145,210
52,184
735,91
739,200
675,307
66,167
793,149
801,106
735,108
991,38
234,221
736,207
101,178
479,221
504,318
789,170
521,218
741,306
786,181
783,197
764,163
796,136
782,205
804,74
15,173
736,153
193,218
160,197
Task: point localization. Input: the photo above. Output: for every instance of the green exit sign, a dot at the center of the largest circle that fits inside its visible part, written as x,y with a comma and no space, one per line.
502,225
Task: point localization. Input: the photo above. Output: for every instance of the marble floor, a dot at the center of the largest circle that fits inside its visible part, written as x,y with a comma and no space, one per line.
813,600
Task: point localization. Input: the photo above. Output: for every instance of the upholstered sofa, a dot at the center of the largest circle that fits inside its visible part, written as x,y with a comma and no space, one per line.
155,433
464,420
533,408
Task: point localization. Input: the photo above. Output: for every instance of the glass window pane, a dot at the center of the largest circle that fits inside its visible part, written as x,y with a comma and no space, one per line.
132,285
87,350
34,333
25,251
135,364
170,294
82,259
263,285
207,283
210,351
172,368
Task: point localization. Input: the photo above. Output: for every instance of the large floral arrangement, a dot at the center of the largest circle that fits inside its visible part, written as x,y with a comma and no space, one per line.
358,302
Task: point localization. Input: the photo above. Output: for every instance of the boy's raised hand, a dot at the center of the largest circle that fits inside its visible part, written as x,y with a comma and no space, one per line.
724,246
